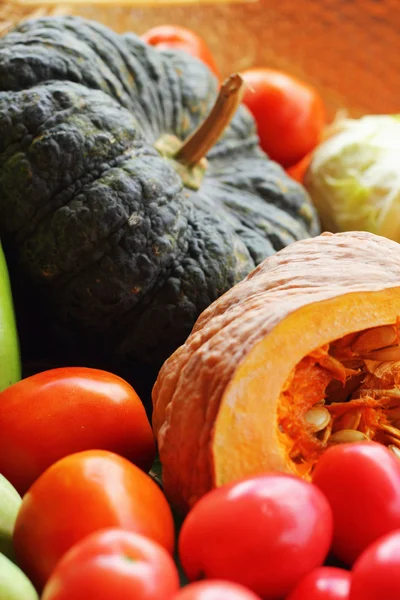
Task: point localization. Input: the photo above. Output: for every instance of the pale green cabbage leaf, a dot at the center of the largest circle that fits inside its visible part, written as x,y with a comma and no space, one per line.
354,176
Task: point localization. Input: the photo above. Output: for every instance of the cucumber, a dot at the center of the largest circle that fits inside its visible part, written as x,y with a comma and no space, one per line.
14,584
10,502
10,360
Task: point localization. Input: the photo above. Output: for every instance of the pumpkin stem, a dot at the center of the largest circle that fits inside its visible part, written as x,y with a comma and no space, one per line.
188,158
197,145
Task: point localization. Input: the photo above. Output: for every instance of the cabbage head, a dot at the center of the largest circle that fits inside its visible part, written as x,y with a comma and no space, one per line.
354,176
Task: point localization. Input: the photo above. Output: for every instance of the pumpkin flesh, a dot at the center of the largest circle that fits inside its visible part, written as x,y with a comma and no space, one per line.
359,394
221,400
283,450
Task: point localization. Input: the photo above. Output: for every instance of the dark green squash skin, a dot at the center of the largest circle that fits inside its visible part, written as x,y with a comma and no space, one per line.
115,252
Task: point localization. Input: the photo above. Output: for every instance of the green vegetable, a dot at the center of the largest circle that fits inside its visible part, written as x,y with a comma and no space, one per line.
354,176
10,502
14,584
119,255
10,366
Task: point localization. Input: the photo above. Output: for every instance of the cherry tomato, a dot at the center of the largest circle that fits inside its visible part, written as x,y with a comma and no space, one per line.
215,590
58,412
362,484
80,494
376,574
114,563
290,114
174,37
324,583
264,532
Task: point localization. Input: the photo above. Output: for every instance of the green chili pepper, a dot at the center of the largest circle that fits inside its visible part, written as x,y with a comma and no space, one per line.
10,363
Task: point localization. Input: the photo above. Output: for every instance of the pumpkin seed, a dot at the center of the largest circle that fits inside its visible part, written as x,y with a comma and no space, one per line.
347,435
318,418
385,354
345,341
373,339
349,420
393,431
395,450
330,363
393,441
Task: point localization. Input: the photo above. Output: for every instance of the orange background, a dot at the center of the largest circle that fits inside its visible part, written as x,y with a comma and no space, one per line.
350,49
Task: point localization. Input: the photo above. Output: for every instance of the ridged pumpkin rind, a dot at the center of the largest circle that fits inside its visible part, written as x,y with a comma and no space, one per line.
215,400
117,254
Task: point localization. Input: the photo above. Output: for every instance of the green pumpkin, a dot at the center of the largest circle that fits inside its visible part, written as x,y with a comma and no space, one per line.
107,245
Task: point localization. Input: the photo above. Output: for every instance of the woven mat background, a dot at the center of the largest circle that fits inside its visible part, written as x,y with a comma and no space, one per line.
350,49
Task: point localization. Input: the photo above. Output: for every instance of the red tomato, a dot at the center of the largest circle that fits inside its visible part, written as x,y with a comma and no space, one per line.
290,114
80,494
265,532
362,484
58,412
114,563
174,37
324,583
299,170
376,574
215,590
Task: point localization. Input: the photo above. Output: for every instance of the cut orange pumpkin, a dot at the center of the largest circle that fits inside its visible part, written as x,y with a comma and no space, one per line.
301,354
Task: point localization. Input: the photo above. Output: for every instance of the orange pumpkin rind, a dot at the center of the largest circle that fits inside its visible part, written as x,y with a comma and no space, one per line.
221,400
